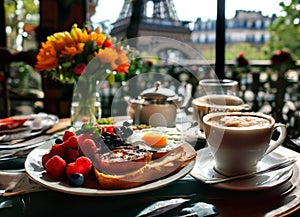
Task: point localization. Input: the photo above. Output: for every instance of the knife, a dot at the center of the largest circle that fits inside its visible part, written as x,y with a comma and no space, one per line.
161,207
23,150
184,205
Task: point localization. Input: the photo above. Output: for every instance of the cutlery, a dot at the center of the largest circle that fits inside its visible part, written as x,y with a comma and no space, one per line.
296,142
27,142
161,207
6,204
274,167
182,205
23,150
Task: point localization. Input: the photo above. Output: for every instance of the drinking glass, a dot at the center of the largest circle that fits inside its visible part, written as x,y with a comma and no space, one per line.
218,87
216,96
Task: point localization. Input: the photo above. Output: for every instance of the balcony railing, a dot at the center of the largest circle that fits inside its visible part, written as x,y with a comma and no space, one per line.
260,86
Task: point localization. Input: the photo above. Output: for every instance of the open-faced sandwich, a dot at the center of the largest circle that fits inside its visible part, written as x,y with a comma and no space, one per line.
116,164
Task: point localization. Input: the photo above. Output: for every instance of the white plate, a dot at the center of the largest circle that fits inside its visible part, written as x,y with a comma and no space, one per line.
15,130
45,121
203,170
34,169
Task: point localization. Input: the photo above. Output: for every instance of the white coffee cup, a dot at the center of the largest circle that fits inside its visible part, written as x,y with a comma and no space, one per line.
239,140
216,103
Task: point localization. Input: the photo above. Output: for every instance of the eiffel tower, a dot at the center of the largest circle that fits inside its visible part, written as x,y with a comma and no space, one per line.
158,18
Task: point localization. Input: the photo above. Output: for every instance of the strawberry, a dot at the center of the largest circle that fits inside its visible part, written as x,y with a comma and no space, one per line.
58,149
88,148
68,134
55,166
71,142
82,165
72,155
108,128
45,158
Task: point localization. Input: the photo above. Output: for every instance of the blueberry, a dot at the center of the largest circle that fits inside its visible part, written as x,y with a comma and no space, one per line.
117,130
111,146
105,134
100,141
128,132
58,141
107,141
113,136
76,179
126,124
122,128
117,142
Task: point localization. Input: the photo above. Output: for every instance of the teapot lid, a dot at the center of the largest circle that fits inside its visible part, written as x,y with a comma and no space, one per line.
157,92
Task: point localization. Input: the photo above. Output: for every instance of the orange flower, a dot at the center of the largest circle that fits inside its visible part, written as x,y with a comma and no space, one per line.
46,59
121,64
65,54
73,50
107,55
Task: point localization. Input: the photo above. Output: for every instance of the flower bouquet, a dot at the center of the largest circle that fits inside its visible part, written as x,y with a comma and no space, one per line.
67,56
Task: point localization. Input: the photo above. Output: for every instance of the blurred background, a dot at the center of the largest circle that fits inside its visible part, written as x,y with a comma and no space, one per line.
256,44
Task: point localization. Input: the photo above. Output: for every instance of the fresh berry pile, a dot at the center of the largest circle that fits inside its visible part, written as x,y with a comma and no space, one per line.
71,156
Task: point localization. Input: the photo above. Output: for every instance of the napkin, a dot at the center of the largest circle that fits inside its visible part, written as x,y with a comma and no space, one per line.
11,123
17,183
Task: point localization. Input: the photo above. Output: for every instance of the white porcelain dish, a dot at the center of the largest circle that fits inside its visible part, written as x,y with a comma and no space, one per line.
33,167
203,170
35,125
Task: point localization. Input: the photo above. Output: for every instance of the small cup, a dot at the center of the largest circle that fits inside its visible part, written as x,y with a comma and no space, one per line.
218,86
217,95
216,103
239,140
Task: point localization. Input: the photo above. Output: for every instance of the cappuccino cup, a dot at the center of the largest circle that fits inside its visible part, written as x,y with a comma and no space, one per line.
239,140
216,103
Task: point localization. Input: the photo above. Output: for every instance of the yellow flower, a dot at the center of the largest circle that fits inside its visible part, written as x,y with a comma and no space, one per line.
73,50
63,52
76,34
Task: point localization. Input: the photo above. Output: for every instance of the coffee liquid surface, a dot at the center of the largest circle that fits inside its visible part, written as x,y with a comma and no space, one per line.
239,121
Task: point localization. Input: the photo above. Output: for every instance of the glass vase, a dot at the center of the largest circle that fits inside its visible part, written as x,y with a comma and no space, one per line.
86,105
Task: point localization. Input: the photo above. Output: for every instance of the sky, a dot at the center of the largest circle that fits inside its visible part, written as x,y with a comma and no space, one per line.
190,10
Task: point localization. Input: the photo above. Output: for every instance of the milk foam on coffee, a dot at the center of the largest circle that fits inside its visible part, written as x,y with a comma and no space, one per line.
239,121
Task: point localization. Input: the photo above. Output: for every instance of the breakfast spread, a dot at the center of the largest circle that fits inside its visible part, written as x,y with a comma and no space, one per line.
104,153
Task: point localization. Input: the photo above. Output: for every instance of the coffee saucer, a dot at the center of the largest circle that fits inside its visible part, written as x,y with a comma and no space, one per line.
204,170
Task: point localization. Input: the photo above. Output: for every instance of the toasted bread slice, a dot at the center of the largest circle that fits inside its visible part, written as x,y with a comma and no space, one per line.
122,160
153,170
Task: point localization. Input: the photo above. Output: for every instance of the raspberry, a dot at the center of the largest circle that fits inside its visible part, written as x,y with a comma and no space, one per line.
45,158
88,147
82,165
83,137
71,142
72,155
55,166
68,134
58,149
